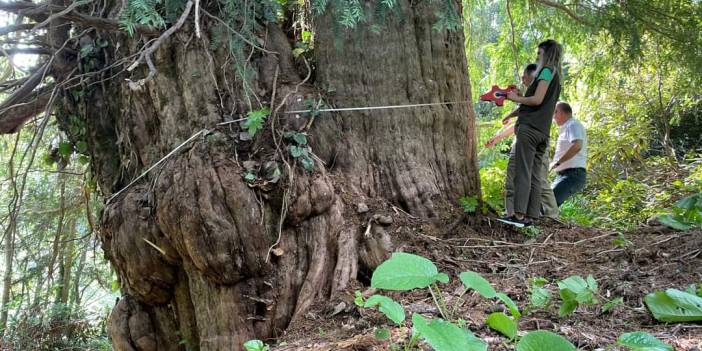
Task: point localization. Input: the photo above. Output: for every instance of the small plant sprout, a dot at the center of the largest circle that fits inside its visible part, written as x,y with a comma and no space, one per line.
499,321
255,119
405,272
255,345
469,203
576,291
539,297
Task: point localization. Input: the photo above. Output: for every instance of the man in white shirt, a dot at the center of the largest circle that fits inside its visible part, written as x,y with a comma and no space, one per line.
570,158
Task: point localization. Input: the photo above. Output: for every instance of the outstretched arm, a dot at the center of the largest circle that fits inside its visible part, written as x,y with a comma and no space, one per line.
501,134
514,113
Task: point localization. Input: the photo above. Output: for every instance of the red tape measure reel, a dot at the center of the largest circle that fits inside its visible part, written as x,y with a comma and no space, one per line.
497,94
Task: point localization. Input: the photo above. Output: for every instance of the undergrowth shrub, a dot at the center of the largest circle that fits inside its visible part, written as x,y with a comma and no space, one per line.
56,328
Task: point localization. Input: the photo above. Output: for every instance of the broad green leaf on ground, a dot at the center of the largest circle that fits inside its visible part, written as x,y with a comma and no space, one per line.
255,345
513,309
445,336
382,334
542,340
671,222
475,281
540,297
642,341
503,324
404,272
674,305
567,307
573,283
575,290
388,307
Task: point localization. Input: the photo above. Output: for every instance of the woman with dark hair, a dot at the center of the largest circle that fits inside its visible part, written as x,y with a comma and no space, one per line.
532,130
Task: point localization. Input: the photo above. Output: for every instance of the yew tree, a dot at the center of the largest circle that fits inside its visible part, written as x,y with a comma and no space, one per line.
261,203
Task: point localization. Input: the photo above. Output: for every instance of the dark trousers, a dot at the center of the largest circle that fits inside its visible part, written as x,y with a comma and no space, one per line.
568,182
529,153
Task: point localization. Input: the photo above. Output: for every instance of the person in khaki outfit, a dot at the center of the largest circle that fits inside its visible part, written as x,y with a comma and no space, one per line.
548,200
532,130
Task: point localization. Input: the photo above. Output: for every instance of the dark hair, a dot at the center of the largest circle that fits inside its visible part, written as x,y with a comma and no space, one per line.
564,107
553,55
530,68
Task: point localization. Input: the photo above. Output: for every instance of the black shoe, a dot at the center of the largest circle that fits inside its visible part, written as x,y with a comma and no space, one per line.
513,220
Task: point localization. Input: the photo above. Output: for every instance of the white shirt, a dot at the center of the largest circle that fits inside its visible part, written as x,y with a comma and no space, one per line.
569,132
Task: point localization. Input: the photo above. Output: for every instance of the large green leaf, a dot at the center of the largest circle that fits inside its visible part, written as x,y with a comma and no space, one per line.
540,297
575,290
513,309
671,222
475,281
642,341
674,306
255,345
542,340
388,307
446,336
405,271
503,324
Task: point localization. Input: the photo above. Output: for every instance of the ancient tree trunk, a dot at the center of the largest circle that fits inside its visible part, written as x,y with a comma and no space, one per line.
207,260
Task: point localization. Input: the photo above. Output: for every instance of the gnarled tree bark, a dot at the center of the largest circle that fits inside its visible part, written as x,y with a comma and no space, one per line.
191,242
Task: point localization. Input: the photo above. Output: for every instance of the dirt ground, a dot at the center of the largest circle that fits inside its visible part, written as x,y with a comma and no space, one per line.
656,259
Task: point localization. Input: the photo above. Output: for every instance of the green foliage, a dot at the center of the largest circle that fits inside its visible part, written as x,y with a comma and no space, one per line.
255,345
255,119
391,309
445,336
503,324
544,340
141,12
473,280
498,321
674,305
539,296
612,304
249,177
403,272
624,81
575,291
469,203
621,241
642,341
686,214
300,151
382,334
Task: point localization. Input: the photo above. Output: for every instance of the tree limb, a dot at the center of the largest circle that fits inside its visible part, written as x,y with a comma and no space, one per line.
29,51
13,117
567,11
16,28
42,12
18,107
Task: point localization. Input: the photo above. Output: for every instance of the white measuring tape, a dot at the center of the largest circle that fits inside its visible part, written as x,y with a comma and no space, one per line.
205,131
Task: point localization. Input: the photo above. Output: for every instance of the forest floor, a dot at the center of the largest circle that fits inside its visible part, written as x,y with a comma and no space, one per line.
657,258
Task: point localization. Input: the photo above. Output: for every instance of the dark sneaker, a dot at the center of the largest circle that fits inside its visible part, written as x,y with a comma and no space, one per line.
513,220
